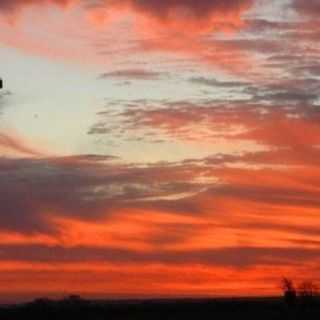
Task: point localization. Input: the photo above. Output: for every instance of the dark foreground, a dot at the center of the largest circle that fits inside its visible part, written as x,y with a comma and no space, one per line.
76,308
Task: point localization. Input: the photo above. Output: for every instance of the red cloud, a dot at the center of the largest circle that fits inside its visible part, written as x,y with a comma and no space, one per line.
162,26
12,5
190,122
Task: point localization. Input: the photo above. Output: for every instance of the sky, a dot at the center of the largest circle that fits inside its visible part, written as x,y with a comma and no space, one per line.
158,148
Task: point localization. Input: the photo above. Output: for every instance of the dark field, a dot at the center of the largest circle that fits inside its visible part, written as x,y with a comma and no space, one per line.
75,308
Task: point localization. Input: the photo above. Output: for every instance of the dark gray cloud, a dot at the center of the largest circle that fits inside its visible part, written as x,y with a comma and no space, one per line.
229,257
132,74
309,8
212,82
82,187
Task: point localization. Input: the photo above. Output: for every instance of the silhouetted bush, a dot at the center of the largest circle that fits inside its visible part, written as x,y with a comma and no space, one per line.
307,292
308,289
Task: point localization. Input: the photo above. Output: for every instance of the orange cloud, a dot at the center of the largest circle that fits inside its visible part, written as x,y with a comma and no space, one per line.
10,145
248,221
189,16
177,15
236,212
202,15
144,280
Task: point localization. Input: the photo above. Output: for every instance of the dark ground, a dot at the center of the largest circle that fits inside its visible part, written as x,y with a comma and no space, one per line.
76,308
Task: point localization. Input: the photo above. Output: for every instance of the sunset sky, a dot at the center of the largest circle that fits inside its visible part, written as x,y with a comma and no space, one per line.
158,148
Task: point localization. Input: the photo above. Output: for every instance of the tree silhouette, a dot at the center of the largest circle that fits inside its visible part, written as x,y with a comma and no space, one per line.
289,291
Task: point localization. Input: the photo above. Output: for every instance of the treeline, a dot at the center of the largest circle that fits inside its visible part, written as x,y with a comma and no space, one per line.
306,292
299,301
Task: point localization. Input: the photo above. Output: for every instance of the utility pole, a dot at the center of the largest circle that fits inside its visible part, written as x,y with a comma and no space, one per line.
1,84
